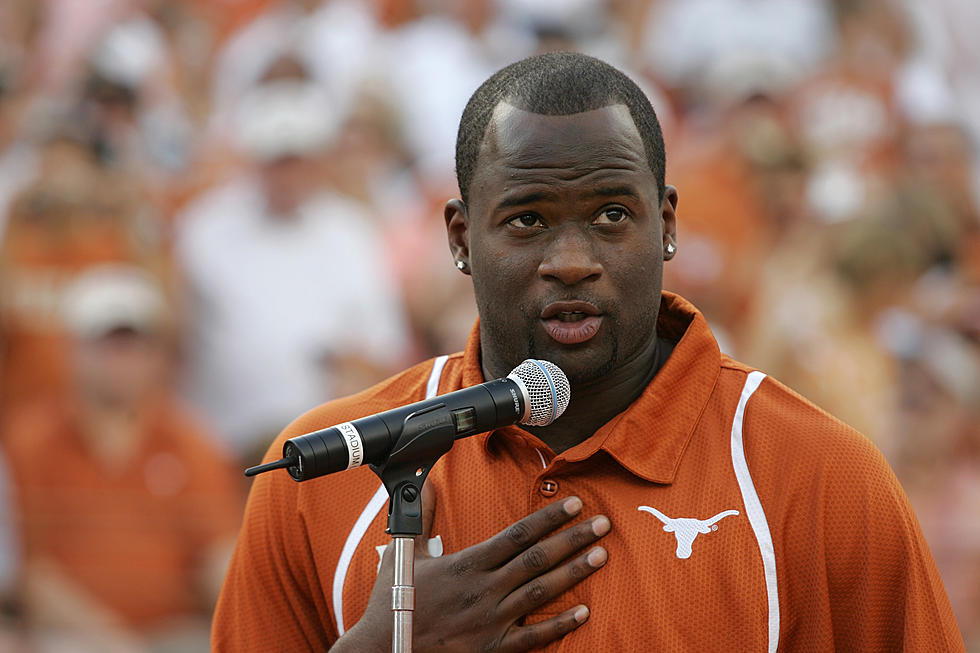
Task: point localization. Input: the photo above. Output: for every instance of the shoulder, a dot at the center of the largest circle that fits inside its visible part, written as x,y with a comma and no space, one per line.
804,461
797,444
779,413
848,549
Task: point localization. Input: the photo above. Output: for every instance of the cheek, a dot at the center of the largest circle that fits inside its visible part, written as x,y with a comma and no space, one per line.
638,279
502,271
633,266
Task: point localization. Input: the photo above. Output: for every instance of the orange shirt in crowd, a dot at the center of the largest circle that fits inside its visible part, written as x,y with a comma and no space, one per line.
725,231
805,539
134,538
42,250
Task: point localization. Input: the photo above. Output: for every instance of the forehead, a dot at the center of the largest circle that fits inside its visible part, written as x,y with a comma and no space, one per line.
522,145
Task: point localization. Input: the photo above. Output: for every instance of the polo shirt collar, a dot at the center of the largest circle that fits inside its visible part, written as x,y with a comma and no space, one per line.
648,438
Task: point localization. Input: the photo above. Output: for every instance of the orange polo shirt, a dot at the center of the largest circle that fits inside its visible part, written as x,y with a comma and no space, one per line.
743,519
136,538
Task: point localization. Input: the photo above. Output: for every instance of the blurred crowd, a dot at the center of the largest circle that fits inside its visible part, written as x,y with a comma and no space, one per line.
216,214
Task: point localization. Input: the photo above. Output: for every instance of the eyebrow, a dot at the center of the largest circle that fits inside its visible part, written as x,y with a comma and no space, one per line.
526,198
617,191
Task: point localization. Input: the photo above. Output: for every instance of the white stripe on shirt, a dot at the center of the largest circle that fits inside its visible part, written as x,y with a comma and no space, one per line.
367,516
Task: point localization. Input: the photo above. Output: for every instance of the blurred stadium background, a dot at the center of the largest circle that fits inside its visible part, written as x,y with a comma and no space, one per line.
215,214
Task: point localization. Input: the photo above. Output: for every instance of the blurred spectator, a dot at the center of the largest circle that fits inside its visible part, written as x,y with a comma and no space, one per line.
291,301
933,336
132,116
946,41
433,61
127,511
690,43
73,216
937,161
731,219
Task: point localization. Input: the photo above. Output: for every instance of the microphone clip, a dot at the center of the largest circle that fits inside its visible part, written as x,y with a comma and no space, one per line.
426,435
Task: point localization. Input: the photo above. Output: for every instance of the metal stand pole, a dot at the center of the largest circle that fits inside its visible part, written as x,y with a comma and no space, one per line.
426,435
403,594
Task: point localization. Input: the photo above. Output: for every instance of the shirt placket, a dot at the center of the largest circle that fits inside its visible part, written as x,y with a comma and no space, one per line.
545,485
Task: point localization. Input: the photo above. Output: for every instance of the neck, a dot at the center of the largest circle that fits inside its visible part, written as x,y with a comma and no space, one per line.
598,401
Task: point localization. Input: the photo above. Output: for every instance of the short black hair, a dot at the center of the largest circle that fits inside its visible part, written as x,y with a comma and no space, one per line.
556,84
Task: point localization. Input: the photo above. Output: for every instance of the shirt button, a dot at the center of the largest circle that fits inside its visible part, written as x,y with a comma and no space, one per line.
549,488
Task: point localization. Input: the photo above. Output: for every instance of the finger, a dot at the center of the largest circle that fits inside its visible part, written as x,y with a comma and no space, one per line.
547,553
527,638
543,588
517,537
428,514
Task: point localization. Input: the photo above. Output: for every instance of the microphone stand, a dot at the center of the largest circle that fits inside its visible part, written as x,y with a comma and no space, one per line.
426,435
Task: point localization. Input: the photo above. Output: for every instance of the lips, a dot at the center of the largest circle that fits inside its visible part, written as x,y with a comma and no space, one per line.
571,323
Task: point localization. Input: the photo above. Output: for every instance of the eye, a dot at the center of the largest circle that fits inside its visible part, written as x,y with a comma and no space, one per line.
525,221
611,215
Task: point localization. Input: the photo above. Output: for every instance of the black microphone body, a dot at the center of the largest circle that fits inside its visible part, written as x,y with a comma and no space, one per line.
535,393
370,439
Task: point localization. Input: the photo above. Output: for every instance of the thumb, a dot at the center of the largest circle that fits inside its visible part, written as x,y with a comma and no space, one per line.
428,514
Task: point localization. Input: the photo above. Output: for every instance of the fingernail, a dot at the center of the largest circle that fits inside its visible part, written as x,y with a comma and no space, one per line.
597,557
600,525
581,613
572,505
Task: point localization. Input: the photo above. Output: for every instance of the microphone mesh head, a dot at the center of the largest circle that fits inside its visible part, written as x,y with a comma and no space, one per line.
547,389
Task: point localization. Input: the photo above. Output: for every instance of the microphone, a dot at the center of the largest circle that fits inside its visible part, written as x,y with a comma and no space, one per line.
535,393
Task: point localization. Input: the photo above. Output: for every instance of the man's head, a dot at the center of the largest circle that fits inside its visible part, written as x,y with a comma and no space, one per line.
565,220
118,320
285,124
555,84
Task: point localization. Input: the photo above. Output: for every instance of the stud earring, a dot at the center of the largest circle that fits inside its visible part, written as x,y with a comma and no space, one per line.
461,266
670,249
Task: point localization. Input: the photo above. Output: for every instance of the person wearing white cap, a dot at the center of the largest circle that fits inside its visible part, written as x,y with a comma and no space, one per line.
126,506
114,297
290,292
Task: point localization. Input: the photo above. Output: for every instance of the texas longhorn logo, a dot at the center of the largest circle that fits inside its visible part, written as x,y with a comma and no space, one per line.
685,529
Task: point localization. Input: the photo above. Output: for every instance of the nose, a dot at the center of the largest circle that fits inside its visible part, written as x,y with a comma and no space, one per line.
570,258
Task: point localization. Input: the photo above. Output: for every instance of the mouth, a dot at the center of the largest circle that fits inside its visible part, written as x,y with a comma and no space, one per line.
571,323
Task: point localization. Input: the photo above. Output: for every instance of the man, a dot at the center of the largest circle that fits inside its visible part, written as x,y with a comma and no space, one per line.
126,509
283,234
722,511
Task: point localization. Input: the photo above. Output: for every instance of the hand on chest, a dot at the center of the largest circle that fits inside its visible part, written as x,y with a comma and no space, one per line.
687,548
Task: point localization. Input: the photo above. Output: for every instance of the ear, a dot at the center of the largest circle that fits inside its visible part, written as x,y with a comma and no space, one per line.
668,216
457,229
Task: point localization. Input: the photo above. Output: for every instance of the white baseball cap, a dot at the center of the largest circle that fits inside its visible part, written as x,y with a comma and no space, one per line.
285,117
108,297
